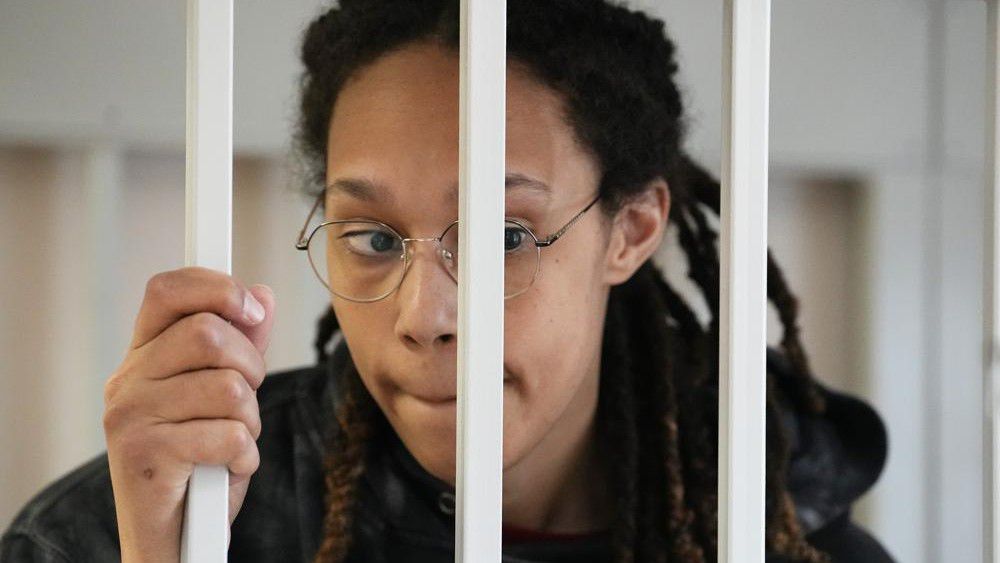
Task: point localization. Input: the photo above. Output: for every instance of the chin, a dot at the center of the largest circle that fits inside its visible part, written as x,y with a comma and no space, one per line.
429,431
438,458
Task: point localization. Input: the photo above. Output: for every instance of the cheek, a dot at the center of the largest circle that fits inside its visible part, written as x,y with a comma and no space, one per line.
538,324
550,335
365,327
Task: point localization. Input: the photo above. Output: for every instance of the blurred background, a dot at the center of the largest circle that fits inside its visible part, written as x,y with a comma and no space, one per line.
877,137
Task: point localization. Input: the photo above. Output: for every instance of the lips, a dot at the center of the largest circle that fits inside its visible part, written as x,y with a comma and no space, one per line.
435,399
439,395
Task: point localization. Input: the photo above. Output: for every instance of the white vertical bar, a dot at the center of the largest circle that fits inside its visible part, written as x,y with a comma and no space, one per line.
479,445
743,281
209,182
991,287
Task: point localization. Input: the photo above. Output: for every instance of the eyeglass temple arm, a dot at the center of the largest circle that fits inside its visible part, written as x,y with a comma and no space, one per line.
555,236
301,243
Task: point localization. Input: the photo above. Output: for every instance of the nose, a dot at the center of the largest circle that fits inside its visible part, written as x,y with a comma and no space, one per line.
428,300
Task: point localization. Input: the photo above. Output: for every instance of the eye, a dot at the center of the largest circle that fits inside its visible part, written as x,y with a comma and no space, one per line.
372,242
514,237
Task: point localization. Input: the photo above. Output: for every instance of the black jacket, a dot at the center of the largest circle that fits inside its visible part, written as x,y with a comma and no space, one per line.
405,513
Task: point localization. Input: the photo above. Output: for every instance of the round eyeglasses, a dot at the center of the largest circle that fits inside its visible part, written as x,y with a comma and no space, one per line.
364,260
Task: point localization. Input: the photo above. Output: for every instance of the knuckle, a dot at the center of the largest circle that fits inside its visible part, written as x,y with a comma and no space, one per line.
233,387
111,388
159,286
255,462
250,415
110,420
250,464
238,437
116,414
207,333
255,428
234,296
255,376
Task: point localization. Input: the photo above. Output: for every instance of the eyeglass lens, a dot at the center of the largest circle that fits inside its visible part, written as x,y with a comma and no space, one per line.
365,260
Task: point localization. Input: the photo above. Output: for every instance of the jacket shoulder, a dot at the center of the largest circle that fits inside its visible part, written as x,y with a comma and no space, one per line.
72,519
835,457
281,389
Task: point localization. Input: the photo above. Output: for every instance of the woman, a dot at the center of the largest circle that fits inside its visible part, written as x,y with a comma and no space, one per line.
610,379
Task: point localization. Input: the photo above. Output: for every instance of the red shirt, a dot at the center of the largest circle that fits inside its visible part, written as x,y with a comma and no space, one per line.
518,534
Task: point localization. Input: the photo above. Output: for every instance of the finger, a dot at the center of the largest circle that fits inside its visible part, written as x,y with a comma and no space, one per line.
260,334
208,442
201,341
202,394
237,494
159,459
173,295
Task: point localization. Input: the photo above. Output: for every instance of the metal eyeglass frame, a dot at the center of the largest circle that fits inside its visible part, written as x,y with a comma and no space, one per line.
302,243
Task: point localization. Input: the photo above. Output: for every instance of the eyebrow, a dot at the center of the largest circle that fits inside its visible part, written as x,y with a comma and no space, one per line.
369,190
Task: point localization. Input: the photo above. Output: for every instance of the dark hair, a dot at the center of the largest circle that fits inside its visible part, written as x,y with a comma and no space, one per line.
614,69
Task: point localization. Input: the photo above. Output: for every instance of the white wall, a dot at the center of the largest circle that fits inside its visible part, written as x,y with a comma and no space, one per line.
76,70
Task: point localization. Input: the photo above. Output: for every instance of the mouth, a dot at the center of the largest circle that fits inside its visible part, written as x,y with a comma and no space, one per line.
436,401
444,400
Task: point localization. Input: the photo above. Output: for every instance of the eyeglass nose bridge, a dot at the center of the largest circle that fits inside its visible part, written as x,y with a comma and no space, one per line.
443,253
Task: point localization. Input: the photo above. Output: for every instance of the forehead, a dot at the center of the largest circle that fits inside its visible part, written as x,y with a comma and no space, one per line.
398,119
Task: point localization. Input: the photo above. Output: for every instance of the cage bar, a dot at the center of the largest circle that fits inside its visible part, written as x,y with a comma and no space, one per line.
991,308
743,280
479,446
208,194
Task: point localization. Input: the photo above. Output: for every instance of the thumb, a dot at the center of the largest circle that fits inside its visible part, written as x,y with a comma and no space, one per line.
260,334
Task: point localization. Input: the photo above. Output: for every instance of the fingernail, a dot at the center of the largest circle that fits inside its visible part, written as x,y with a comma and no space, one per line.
252,308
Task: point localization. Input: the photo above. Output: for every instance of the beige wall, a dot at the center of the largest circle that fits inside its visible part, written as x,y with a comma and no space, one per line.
71,288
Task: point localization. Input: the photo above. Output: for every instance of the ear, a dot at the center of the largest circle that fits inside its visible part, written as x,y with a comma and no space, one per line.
637,231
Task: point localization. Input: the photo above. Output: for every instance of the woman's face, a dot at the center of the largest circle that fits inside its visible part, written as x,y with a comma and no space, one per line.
396,124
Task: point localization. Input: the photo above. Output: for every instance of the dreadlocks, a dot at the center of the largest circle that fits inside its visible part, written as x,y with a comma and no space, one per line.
659,365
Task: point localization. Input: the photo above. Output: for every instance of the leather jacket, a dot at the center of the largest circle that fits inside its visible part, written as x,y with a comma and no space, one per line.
405,513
